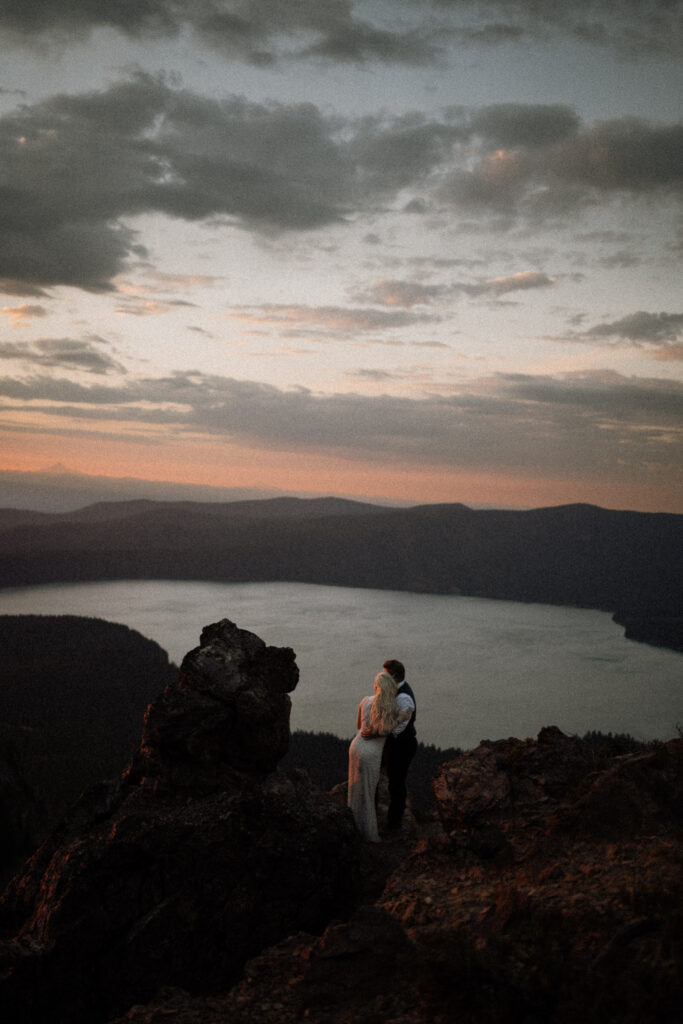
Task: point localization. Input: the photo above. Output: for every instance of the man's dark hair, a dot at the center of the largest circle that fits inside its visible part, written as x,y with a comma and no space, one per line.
395,669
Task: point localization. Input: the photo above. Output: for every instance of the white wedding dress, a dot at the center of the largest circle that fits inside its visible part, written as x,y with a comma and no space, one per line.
365,762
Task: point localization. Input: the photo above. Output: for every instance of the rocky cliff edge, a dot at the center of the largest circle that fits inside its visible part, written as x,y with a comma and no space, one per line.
205,886
200,856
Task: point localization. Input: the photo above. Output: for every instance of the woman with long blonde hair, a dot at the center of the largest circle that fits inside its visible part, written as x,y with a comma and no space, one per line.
377,717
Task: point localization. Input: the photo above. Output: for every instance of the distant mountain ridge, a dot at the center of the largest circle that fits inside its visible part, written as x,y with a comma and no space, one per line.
624,562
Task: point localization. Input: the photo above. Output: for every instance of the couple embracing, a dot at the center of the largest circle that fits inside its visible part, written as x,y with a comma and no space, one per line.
386,732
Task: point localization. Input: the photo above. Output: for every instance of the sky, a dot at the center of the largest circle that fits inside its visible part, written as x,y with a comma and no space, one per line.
416,251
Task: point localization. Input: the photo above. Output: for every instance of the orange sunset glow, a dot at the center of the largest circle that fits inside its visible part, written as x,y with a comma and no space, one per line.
439,264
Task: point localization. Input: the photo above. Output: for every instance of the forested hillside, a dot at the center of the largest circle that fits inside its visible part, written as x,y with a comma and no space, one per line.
624,562
325,758
73,692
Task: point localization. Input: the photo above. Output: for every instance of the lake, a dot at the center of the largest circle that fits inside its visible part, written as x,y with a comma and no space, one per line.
481,669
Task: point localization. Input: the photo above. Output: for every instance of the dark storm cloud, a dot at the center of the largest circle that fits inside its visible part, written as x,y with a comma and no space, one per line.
359,42
631,27
340,30
391,153
627,154
551,166
491,34
642,327
8,286
74,167
661,333
516,124
590,424
35,17
61,353
255,30
607,398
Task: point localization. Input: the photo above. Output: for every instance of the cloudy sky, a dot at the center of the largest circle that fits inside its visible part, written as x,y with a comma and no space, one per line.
423,250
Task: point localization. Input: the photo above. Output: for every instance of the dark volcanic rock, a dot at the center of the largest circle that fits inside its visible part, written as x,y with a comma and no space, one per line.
507,797
482,791
204,886
574,924
225,721
638,794
198,858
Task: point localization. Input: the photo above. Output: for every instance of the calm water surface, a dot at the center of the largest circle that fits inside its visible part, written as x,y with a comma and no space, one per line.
481,669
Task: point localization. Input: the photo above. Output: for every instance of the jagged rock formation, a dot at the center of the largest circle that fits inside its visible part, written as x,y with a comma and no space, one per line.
205,886
197,858
552,895
225,723
480,791
509,798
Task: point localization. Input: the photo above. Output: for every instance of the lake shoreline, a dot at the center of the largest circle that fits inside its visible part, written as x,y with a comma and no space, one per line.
574,556
663,631
483,667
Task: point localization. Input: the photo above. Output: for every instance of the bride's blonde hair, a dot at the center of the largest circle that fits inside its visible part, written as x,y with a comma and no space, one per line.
383,712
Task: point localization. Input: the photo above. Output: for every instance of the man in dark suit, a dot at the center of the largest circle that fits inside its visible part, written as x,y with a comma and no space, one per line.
400,746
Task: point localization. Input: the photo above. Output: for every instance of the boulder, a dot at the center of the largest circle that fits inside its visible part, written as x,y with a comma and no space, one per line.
637,794
225,721
503,798
201,855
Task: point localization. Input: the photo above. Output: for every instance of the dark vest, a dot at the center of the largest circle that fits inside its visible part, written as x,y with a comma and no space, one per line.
409,731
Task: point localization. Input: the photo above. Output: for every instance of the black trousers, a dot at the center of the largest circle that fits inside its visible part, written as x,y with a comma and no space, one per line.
399,754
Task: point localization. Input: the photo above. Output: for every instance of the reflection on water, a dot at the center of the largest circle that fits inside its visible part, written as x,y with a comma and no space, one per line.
480,669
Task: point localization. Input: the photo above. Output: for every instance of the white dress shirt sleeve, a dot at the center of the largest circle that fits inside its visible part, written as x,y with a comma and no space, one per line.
403,703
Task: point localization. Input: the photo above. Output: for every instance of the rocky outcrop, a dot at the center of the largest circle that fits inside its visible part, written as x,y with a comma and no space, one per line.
206,885
561,922
483,792
510,797
225,723
200,856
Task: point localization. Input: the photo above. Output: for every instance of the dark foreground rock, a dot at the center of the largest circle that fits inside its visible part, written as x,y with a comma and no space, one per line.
562,922
22,815
194,861
206,886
